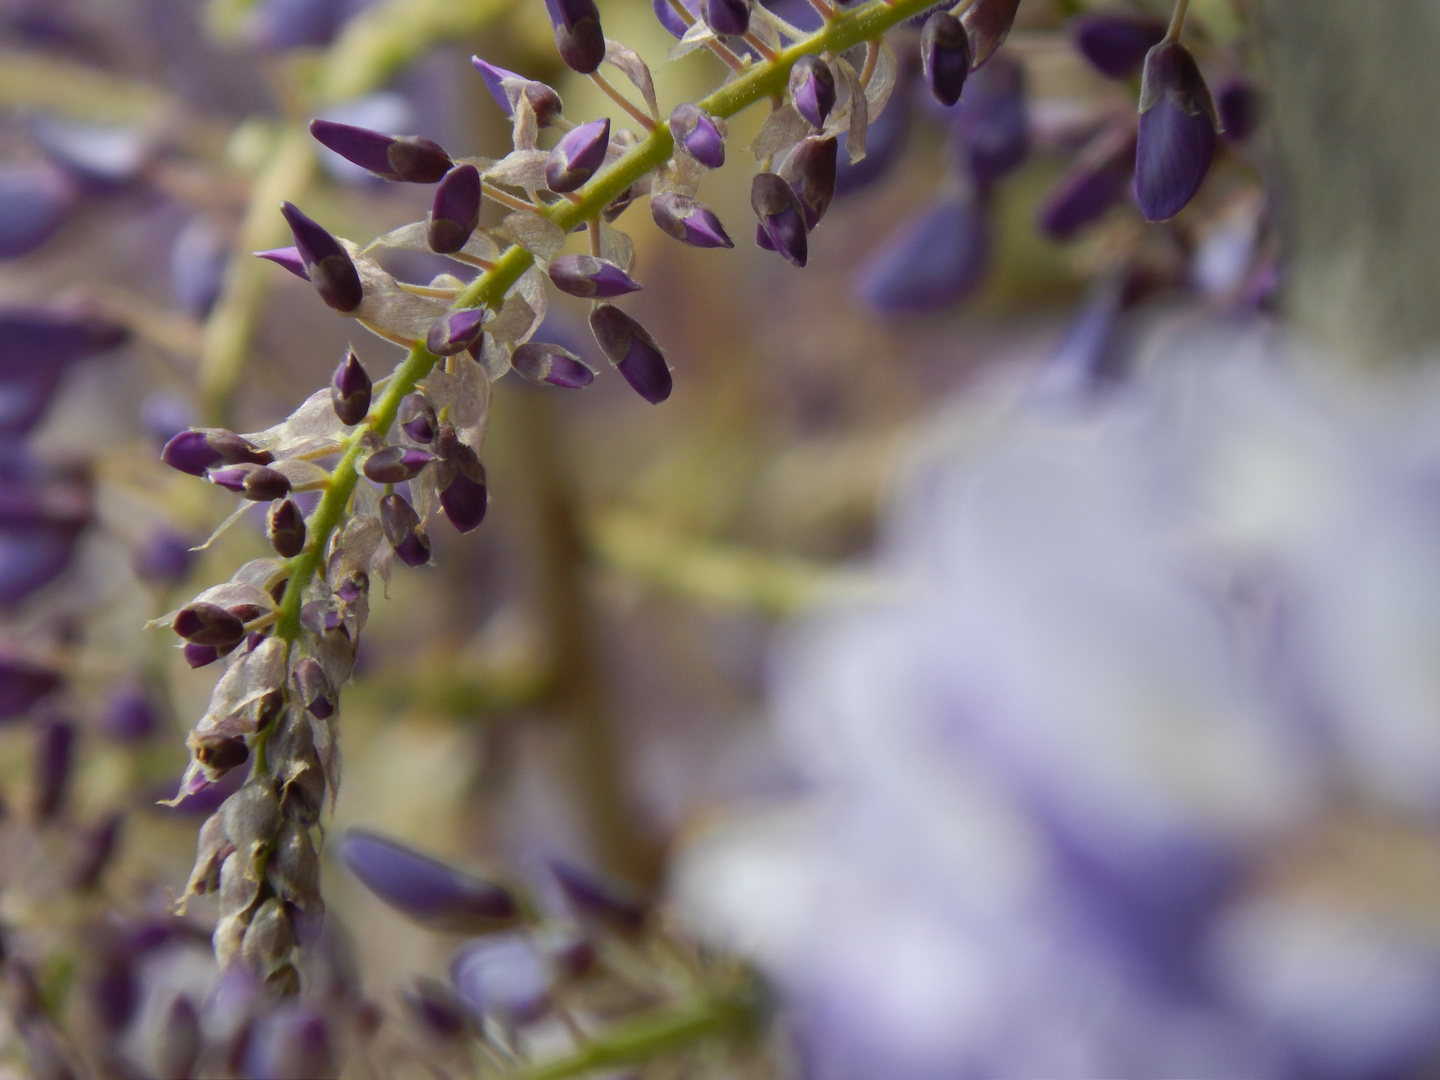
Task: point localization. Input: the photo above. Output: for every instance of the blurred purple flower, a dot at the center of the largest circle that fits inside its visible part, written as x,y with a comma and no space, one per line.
34,200
427,890
937,258
1095,782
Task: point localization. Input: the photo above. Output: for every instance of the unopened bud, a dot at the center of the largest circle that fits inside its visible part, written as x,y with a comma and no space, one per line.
394,157
350,390
578,155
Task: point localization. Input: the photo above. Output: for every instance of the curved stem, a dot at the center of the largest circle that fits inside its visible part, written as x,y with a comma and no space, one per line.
1177,20
489,289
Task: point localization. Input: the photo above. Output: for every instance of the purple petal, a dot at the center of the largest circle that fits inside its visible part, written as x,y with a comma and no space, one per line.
590,277
688,221
578,155
545,363
1116,43
288,257
34,200
992,122
456,210
427,890
935,259
23,684
506,978
464,501
727,16
1096,182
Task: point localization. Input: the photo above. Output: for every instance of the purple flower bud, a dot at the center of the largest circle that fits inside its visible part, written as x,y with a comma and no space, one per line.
812,89
285,528
255,482
34,202
600,903
504,978
327,264
988,23
456,332
289,1043
353,587
1116,42
464,499
406,158
456,210
416,418
688,220
165,558
945,56
781,216
130,715
54,758
437,1009
1177,132
507,89
810,171
23,684
401,526
668,17
632,350
935,259
288,257
219,753
589,277
577,155
727,16
96,851
197,656
992,122
1238,105
197,267
197,449
578,37
291,24
350,390
697,134
311,683
429,891
1096,182
208,624
544,363
395,464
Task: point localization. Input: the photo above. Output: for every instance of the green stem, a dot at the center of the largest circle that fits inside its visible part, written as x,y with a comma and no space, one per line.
645,1038
488,290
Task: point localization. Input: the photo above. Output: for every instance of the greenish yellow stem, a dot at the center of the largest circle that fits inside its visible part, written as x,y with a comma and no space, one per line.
645,1038
1177,20
489,289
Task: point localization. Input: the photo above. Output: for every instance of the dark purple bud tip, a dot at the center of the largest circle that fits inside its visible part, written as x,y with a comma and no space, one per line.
254,482
688,220
288,257
778,208
578,36
197,449
507,88
208,624
316,693
456,332
577,155
23,684
197,656
393,157
988,23
1096,182
541,362
327,264
429,891
812,89
727,16
401,526
465,500
937,258
1116,42
600,903
1176,142
350,390
456,210
697,134
219,753
505,978
945,56
286,529
416,418
762,238
810,171
1238,103
632,350
589,277
396,464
